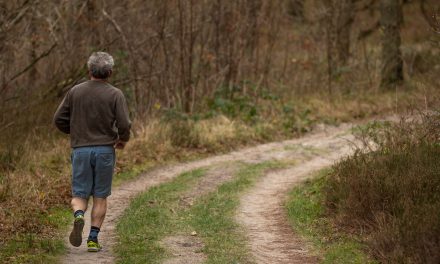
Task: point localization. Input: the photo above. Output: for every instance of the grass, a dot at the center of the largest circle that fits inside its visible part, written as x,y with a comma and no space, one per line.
306,212
31,248
157,213
150,217
132,173
42,162
38,248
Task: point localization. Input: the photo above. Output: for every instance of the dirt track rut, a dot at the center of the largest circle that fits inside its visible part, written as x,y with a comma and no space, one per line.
262,212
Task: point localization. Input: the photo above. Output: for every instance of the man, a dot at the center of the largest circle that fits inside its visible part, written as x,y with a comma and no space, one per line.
95,115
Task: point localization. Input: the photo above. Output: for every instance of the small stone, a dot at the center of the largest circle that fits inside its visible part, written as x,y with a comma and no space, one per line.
193,233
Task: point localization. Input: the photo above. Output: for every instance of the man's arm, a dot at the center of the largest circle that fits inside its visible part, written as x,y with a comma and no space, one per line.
123,122
61,118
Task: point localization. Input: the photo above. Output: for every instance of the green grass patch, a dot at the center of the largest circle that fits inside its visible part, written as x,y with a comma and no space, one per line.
306,214
132,173
213,217
157,214
38,248
149,218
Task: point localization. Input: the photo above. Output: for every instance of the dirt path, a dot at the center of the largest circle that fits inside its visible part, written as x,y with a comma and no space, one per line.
263,215
324,142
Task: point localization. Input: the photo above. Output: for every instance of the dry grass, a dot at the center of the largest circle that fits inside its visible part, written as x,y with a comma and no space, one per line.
39,182
391,196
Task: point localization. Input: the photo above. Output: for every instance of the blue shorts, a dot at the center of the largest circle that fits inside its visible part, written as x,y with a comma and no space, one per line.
92,171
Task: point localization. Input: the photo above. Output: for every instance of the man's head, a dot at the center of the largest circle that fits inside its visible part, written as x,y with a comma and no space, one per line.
100,65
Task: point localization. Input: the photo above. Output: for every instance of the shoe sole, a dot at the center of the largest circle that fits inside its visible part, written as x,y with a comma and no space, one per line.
75,237
93,249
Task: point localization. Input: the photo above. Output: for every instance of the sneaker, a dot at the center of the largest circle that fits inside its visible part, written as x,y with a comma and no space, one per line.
75,237
93,246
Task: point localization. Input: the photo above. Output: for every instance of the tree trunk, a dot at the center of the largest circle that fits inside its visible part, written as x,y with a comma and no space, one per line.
93,13
339,21
344,22
295,9
392,64
33,36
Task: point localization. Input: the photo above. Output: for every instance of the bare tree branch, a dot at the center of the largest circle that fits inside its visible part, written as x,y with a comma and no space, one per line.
367,6
44,54
367,32
432,19
129,49
15,17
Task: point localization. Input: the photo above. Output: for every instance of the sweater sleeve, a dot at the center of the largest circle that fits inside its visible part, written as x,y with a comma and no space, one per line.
123,122
61,118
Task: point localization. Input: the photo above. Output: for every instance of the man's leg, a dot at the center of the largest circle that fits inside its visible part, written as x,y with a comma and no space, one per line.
79,204
98,211
82,182
98,214
104,165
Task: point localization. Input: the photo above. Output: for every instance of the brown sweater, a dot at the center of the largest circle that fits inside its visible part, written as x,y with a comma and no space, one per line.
94,113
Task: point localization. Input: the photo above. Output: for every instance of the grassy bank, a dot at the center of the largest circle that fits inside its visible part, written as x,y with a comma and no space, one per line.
306,212
158,213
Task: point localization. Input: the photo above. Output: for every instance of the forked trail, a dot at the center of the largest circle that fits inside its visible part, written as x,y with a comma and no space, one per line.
261,213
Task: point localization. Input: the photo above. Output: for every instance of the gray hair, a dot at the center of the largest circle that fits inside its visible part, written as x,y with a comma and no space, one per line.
100,64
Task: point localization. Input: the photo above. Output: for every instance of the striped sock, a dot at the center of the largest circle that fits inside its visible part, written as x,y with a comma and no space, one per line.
93,236
78,212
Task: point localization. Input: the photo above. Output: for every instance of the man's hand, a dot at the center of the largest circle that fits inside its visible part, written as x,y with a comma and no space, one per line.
120,144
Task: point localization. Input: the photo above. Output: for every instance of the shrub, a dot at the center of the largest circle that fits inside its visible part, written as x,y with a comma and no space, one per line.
391,196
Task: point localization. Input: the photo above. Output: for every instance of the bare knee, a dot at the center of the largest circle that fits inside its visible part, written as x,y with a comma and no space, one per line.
99,201
79,204
99,211
99,205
